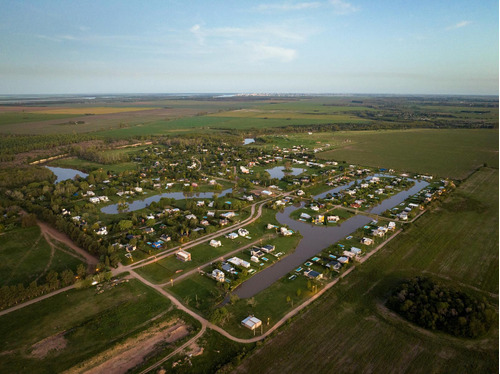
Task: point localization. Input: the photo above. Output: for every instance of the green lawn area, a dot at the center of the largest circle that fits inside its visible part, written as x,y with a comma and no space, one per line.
350,330
449,153
90,323
26,256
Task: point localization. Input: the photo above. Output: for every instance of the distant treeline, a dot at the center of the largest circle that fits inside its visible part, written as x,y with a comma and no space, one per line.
436,307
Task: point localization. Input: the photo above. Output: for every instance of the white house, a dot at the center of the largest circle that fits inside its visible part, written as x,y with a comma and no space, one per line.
215,243
232,235
218,275
243,232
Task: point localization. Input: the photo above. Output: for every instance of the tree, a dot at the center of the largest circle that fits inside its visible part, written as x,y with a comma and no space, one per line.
81,271
124,224
67,277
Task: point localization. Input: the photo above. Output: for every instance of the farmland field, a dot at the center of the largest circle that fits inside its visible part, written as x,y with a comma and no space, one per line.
445,153
456,243
26,256
89,323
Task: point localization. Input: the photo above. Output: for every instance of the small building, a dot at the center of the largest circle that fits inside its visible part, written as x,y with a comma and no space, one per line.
348,254
305,216
149,230
343,260
334,219
239,262
251,322
356,251
313,274
228,215
215,243
218,275
367,241
268,248
183,256
243,232
232,235
285,232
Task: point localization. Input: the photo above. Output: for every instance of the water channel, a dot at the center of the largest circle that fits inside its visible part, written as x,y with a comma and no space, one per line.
315,239
139,204
63,174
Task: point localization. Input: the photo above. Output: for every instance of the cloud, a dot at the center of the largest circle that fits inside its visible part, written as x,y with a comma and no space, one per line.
262,52
459,25
287,6
343,7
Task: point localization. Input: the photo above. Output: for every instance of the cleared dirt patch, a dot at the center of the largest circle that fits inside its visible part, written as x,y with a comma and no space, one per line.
53,343
132,352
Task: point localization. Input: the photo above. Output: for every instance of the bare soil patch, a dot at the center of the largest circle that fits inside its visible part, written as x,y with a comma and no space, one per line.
132,352
53,343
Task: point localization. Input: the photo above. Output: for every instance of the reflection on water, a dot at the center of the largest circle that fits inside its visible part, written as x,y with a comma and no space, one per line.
315,239
139,204
277,172
248,141
63,174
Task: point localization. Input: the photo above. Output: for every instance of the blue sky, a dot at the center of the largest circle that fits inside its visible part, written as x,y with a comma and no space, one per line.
329,46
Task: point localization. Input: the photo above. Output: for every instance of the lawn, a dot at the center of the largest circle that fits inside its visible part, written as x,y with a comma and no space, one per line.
91,323
26,256
350,330
444,153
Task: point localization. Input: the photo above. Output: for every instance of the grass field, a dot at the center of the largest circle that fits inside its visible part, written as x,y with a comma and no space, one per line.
90,323
26,256
349,330
8,118
444,153
91,110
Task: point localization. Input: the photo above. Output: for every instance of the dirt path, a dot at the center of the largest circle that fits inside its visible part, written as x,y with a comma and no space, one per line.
52,253
49,231
21,260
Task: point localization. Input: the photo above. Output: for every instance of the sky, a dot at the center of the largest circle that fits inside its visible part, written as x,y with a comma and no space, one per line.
233,46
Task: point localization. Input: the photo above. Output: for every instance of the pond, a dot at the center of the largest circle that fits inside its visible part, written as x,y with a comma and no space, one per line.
63,174
315,239
139,204
248,141
278,171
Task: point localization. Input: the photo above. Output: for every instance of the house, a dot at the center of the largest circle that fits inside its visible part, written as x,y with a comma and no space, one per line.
251,322
218,275
333,219
102,231
335,265
367,241
268,248
223,222
285,232
271,226
190,216
254,259
391,225
319,219
94,200
228,268
348,254
256,252
204,222
300,193
215,243
243,232
130,248
267,193
232,235
239,262
244,170
149,230
314,207
228,215
183,256
313,274
200,203
343,260
165,238
305,216
356,251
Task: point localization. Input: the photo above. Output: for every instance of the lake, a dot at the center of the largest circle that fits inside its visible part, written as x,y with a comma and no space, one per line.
277,171
248,141
63,174
140,204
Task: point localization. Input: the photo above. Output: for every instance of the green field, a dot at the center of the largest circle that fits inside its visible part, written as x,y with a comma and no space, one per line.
90,323
7,118
350,330
26,256
444,153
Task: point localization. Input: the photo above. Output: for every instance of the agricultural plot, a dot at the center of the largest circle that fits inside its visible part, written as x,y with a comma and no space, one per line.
77,325
26,256
8,118
445,153
455,243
